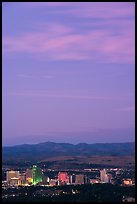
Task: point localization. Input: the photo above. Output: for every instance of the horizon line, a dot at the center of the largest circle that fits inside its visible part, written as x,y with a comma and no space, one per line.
67,143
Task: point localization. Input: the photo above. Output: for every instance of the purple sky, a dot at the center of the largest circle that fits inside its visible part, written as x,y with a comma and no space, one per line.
68,72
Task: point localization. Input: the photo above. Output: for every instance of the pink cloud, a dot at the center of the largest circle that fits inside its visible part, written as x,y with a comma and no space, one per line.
90,9
105,10
98,9
60,42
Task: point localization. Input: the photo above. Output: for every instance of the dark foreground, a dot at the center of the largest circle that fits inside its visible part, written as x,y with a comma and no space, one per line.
71,193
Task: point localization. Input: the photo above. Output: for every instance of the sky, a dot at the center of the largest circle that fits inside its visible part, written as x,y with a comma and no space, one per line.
68,72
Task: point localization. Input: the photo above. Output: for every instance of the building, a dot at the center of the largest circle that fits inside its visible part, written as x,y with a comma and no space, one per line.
80,179
86,179
22,178
53,182
92,181
15,181
109,178
11,174
37,174
63,178
127,182
34,175
103,176
72,179
45,180
29,176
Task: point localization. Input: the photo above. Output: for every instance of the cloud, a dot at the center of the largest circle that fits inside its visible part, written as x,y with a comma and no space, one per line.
88,9
103,10
107,36
62,43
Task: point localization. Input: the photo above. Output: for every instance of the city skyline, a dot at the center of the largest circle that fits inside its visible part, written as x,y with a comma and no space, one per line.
68,72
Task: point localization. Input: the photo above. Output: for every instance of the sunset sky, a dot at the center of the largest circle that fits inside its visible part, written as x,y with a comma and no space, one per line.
68,72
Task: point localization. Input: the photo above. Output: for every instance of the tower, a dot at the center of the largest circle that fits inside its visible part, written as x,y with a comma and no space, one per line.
103,176
36,174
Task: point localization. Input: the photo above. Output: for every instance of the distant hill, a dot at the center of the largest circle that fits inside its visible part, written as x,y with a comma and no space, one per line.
36,152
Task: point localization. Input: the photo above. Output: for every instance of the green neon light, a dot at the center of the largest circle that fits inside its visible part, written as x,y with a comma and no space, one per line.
37,175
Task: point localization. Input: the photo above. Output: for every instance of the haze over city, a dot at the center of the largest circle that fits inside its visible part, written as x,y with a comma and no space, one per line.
68,72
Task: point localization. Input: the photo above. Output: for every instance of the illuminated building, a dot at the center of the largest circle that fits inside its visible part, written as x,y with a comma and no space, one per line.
45,180
34,175
29,176
94,181
63,178
127,182
22,177
37,174
80,179
72,178
103,176
53,182
11,174
14,181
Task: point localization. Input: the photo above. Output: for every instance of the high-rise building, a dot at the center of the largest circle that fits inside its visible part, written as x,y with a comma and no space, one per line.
22,178
80,179
45,180
37,174
34,175
29,176
12,174
63,178
103,176
72,179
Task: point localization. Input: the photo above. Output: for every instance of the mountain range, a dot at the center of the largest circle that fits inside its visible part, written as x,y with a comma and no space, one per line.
37,152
